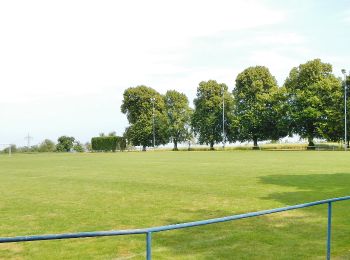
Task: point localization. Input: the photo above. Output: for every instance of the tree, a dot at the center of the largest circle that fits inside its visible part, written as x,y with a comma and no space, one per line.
143,105
78,147
207,119
178,116
47,146
259,107
331,104
312,90
65,143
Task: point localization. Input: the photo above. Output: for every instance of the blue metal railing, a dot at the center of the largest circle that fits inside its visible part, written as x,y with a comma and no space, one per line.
149,231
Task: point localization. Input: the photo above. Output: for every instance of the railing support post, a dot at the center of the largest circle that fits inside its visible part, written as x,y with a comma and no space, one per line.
149,245
329,230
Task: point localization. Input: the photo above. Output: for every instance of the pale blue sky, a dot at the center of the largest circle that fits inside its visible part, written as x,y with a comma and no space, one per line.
64,65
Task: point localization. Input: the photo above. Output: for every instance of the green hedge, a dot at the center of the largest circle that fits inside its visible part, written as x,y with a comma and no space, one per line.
108,143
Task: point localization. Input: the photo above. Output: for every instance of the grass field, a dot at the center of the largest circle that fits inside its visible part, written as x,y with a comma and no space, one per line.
55,193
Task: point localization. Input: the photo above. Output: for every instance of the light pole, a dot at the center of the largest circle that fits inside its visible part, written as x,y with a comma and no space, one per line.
345,121
154,135
223,117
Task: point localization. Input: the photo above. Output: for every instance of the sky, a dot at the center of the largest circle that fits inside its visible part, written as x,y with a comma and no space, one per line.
64,65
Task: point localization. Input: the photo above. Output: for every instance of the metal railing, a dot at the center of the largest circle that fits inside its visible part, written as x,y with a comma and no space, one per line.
148,231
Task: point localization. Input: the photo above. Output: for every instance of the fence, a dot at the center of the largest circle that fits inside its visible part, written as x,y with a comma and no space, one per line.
148,231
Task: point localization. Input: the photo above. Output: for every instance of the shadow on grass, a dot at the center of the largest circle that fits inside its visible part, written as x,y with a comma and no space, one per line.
309,187
298,234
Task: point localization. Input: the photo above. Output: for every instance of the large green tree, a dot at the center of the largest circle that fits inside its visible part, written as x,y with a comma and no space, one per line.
207,119
178,116
138,104
332,126
65,143
313,92
259,112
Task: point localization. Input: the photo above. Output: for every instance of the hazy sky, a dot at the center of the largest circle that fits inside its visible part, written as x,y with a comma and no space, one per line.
65,64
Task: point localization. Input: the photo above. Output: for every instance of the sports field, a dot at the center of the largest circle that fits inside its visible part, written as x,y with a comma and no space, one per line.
56,193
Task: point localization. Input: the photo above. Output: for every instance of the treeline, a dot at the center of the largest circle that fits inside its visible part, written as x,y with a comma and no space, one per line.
64,144
103,142
310,104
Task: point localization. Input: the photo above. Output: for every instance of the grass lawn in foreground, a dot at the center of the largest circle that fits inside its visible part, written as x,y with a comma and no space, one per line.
59,193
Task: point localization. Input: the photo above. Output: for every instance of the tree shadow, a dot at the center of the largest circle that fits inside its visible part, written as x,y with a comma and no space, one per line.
297,234
308,187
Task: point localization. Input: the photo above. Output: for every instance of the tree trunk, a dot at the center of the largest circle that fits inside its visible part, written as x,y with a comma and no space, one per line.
255,140
211,145
144,148
311,145
175,145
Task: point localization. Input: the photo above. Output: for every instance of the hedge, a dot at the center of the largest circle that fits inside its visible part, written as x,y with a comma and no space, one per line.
108,143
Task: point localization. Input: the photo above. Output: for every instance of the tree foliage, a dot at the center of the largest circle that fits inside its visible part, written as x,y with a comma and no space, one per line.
312,91
178,116
138,103
258,107
207,119
332,126
65,143
78,147
47,146
108,143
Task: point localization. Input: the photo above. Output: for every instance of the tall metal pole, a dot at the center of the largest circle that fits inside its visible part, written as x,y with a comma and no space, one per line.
223,117
345,121
154,134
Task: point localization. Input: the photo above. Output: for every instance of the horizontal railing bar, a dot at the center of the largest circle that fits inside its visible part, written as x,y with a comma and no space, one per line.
167,227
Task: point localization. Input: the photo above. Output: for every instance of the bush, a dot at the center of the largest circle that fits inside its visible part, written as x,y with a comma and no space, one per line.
78,147
108,143
121,143
47,146
104,143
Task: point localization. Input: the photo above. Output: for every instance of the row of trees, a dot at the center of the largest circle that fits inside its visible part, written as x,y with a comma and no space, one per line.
310,104
64,144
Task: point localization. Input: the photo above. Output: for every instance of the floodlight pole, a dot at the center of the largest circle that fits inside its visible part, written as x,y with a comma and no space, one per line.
345,121
154,135
223,117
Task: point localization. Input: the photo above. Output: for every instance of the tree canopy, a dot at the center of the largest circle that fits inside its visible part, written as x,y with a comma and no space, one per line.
258,108
207,119
65,143
178,116
138,104
312,91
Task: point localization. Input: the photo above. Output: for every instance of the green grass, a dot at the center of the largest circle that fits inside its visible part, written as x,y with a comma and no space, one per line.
55,193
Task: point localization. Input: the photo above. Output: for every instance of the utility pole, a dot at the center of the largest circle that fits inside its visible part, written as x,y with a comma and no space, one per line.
154,133
223,118
28,138
345,121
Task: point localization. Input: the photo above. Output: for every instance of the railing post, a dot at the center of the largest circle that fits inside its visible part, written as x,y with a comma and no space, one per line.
329,230
149,245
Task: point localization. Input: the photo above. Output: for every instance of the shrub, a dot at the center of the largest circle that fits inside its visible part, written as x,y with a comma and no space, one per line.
104,143
108,143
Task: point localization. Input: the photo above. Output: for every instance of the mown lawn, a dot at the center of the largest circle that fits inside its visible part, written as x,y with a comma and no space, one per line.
55,193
